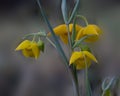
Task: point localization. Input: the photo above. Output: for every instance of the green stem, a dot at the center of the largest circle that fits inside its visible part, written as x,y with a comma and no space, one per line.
74,71
58,46
74,11
51,42
83,18
76,79
88,91
103,93
34,36
69,38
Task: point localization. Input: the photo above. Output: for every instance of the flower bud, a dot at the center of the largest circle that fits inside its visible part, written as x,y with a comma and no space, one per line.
41,45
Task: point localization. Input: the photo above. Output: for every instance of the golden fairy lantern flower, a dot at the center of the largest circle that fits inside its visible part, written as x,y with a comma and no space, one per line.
81,58
93,31
62,32
29,49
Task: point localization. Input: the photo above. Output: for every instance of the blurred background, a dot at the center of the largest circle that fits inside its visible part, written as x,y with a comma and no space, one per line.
20,76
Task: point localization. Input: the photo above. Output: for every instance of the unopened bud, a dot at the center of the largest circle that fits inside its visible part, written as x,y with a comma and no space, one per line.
41,45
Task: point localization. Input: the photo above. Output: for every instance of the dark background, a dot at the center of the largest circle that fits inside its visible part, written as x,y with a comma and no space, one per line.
20,76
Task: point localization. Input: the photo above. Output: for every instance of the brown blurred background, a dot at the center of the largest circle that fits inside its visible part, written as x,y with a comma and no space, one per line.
20,76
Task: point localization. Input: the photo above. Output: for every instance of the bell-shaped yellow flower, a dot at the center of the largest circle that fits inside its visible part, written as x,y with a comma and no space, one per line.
29,49
80,59
90,30
62,32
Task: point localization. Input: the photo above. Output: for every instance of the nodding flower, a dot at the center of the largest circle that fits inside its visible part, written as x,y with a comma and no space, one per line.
92,31
82,59
29,49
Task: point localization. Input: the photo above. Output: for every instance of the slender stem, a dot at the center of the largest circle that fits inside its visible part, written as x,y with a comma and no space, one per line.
74,71
34,36
58,46
83,18
86,78
74,11
76,79
51,42
69,38
103,93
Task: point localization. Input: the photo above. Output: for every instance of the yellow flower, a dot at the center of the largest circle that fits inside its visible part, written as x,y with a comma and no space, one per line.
80,59
29,49
92,30
61,31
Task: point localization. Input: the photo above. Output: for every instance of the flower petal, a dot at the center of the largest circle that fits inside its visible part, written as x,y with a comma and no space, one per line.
78,27
90,56
23,45
90,30
80,34
27,53
64,38
75,56
62,29
80,64
35,50
99,31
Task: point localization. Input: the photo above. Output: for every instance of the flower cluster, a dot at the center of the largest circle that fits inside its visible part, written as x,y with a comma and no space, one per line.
91,30
81,59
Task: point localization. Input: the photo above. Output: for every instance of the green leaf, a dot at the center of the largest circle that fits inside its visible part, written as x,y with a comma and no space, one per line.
77,43
64,11
74,11
58,46
73,32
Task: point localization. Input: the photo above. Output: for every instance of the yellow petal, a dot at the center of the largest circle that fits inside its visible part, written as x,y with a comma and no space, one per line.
75,56
62,29
99,31
23,45
35,50
77,27
27,53
90,56
80,34
90,30
64,38
92,38
80,64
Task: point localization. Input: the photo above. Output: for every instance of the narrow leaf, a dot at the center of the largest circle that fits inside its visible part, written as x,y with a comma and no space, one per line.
64,11
58,46
74,11
73,32
77,43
